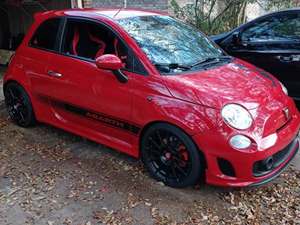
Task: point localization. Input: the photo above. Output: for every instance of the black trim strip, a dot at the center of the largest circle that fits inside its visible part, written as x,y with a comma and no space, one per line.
105,119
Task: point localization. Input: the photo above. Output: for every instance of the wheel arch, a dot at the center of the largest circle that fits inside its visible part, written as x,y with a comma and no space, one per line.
25,120
9,81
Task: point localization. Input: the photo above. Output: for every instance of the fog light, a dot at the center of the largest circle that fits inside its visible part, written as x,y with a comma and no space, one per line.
240,142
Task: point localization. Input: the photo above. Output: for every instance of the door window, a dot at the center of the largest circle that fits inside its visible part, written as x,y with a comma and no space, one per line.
276,28
46,35
89,40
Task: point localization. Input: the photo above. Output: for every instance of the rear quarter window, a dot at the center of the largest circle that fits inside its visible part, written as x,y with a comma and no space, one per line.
45,37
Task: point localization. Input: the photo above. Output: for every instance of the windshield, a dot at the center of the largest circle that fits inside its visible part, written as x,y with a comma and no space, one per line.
167,41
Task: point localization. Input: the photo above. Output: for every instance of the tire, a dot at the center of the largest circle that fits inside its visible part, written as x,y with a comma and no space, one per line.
170,156
18,105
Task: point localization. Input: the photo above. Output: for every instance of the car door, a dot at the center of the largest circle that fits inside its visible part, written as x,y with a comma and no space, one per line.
273,43
36,56
82,96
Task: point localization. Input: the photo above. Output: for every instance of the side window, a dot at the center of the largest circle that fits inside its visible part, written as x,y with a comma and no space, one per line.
280,28
89,40
46,35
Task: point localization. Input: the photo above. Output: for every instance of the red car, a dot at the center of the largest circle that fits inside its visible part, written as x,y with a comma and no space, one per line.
153,87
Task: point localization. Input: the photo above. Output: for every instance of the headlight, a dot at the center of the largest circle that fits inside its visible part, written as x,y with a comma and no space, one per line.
237,116
284,89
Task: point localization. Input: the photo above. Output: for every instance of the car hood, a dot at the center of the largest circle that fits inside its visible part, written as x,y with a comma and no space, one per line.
236,82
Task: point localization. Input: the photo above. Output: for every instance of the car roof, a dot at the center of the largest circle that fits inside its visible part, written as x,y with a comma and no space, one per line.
112,13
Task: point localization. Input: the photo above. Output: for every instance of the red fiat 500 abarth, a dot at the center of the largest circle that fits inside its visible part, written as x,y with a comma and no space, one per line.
153,87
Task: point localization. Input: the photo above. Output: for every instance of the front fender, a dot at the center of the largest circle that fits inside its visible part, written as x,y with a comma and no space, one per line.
191,118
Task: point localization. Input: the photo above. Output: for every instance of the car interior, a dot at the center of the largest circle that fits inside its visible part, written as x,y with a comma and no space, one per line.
88,40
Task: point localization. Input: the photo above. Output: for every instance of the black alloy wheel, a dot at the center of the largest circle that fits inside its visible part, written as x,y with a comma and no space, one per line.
18,105
171,156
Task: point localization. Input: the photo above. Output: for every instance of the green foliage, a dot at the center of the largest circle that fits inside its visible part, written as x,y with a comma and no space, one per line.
218,16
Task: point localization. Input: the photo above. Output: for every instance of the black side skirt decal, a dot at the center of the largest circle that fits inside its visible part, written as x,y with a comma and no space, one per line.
104,119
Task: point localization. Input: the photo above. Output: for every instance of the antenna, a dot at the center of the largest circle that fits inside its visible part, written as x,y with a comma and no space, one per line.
117,12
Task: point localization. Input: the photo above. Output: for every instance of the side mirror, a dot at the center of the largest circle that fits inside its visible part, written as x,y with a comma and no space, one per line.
109,62
236,39
113,63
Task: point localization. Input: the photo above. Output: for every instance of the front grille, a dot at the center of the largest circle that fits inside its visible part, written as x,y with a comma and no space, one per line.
263,167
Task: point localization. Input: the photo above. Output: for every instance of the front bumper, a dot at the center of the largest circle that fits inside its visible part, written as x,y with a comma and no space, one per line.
241,163
279,171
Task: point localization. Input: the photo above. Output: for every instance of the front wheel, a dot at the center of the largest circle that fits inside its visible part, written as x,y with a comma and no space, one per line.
19,105
171,156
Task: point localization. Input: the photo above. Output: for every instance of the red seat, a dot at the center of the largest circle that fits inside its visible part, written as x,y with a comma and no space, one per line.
118,50
75,41
90,37
101,44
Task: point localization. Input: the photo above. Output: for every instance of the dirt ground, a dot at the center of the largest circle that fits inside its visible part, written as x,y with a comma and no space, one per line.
48,176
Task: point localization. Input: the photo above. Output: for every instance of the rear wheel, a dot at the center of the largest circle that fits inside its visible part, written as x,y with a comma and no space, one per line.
18,105
171,156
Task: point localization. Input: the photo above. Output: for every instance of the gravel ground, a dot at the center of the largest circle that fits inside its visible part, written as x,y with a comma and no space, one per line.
48,176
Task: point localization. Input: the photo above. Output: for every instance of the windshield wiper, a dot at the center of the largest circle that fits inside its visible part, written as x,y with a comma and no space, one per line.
166,67
212,60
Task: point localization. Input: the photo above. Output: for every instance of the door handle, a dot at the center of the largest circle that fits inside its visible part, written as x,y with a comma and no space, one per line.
54,74
285,58
292,58
245,44
296,58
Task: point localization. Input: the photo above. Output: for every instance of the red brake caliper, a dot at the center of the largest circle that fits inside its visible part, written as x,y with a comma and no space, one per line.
184,154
